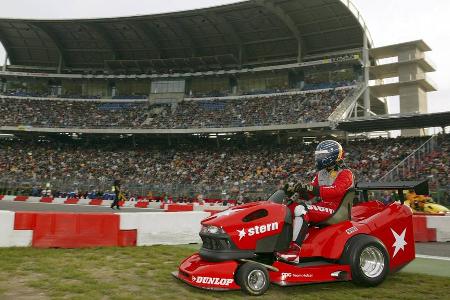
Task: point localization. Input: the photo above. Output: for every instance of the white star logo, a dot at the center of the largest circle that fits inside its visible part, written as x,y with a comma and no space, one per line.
400,242
241,233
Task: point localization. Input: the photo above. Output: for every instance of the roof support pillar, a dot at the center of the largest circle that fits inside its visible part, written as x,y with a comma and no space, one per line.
60,64
287,21
299,51
5,63
366,62
54,38
229,30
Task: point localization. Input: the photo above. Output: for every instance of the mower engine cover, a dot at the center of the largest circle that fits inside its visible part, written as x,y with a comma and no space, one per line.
243,231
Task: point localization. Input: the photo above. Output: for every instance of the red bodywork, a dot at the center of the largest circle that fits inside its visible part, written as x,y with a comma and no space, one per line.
390,224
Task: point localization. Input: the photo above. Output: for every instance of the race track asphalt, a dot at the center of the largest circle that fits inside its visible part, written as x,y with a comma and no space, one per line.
26,206
433,249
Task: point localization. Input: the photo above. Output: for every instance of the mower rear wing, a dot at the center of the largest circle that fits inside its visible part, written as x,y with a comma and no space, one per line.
419,187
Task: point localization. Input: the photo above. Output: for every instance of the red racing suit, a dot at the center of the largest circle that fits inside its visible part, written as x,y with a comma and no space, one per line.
332,188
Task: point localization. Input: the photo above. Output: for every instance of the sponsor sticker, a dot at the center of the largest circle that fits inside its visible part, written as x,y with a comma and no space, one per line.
285,276
212,280
321,209
351,230
257,230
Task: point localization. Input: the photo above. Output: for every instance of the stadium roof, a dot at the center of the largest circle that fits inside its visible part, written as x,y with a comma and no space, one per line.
394,122
255,32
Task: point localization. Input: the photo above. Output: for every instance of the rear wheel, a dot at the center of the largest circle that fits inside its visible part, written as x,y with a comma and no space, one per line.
368,260
253,279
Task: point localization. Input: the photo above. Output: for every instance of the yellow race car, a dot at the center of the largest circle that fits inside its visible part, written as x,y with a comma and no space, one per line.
425,204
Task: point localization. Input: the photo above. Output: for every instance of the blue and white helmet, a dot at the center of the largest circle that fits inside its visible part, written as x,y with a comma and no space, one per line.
327,154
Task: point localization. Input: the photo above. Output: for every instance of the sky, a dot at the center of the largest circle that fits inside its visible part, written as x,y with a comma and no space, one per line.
389,22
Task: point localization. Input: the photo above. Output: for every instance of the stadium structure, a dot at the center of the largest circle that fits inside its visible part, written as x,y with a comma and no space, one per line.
289,69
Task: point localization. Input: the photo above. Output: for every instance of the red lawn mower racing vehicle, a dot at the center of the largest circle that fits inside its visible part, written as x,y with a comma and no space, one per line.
362,242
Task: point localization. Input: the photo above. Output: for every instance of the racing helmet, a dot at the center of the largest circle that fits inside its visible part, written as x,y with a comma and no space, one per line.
328,153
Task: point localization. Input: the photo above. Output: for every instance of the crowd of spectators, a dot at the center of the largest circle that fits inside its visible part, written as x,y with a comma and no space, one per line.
255,111
66,114
242,167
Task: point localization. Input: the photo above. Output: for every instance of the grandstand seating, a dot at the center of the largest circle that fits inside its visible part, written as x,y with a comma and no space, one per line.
64,114
288,108
196,168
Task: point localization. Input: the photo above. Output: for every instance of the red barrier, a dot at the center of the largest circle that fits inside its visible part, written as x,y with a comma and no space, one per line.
68,230
421,232
142,204
179,207
21,198
96,202
1,197
127,238
46,200
24,220
71,201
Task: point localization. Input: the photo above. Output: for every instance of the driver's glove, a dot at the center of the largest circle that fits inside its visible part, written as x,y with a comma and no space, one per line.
302,188
289,190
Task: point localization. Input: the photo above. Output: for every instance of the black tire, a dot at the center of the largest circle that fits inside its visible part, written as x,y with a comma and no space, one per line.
366,248
253,279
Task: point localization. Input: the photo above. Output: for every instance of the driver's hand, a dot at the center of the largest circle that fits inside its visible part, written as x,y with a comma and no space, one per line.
303,188
300,188
289,189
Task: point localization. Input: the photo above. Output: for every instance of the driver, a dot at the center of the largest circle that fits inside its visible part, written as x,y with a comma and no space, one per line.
328,187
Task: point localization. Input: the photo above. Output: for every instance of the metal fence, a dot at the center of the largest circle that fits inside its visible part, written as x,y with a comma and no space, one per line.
9,186
407,168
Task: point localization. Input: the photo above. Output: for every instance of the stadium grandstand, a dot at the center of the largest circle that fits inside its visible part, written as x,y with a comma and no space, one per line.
227,100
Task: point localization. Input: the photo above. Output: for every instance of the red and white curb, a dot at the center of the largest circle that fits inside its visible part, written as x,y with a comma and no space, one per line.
9,237
80,230
431,228
170,207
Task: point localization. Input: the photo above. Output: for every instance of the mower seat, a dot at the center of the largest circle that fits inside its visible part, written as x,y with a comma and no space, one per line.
343,212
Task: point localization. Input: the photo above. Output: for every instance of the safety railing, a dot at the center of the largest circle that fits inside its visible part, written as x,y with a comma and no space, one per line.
347,104
407,168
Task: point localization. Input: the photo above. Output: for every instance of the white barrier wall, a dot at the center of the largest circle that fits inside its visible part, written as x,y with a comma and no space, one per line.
442,226
107,202
10,237
129,204
154,205
34,199
162,228
59,200
84,201
210,207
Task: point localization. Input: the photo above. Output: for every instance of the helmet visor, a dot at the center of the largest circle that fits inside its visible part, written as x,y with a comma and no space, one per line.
321,154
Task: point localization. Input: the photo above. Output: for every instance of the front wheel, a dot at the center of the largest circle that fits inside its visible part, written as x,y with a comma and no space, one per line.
368,260
253,279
